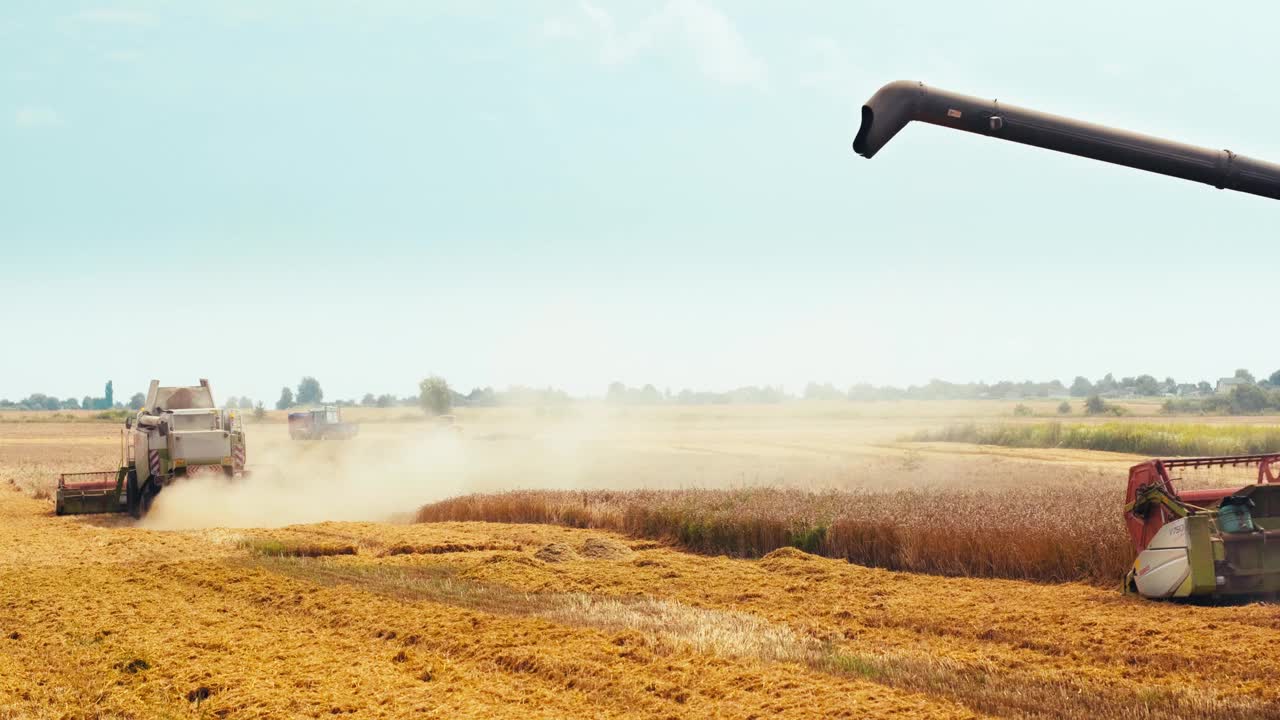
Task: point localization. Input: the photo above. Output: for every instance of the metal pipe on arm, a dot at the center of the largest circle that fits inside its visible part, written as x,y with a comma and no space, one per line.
898,103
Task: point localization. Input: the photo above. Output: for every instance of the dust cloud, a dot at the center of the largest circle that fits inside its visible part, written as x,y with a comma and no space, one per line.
385,473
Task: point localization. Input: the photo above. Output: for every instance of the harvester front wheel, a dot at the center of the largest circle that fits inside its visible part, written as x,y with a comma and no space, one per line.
132,495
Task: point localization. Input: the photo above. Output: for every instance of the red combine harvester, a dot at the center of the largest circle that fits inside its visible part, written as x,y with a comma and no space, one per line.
1215,542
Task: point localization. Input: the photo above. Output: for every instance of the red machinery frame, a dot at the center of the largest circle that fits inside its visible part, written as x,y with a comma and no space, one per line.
1143,527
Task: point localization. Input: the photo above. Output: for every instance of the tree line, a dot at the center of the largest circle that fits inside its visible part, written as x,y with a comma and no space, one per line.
1245,394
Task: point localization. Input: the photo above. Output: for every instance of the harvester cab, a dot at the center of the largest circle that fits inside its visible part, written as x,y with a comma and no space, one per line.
1215,542
178,433
321,424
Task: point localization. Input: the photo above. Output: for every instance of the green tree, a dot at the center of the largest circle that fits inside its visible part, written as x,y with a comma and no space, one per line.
1246,376
368,400
1094,405
259,412
286,399
1146,385
1107,383
71,404
136,402
1064,408
1081,387
110,399
1204,387
1275,378
434,395
1246,399
309,392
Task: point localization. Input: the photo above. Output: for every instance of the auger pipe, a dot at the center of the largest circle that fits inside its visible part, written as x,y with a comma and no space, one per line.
898,103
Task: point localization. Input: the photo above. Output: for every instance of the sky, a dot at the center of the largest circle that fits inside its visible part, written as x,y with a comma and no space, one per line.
572,193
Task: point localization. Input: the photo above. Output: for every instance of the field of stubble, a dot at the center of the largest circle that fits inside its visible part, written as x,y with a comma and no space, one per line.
304,591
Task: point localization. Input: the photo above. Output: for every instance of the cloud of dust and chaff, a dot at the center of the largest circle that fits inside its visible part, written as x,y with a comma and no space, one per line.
385,473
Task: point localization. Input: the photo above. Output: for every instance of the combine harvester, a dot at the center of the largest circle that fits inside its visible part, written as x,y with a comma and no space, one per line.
1216,543
178,433
322,424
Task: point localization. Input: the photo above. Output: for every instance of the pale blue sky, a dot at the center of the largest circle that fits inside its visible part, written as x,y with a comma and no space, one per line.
570,193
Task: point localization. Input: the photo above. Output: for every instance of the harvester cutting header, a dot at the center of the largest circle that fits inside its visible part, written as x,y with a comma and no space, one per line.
1215,541
178,433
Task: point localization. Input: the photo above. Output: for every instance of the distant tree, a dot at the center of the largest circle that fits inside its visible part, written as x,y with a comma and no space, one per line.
1204,387
617,392
482,397
259,412
1064,408
71,404
1094,405
1246,399
1246,376
110,395
1022,410
247,404
650,395
86,403
137,401
1081,387
1146,385
286,399
434,395
368,400
40,401
827,391
231,402
1275,378
309,392
1106,384
385,400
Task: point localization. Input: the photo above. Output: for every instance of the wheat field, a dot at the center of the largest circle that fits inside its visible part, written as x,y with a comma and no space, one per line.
306,590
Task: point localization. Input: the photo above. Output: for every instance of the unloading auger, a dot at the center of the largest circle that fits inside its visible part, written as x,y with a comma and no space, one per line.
898,103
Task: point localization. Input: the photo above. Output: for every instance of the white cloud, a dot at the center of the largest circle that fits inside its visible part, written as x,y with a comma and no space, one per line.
33,116
115,16
694,27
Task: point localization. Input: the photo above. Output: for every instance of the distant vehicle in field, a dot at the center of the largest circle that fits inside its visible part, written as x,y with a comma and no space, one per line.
178,433
321,424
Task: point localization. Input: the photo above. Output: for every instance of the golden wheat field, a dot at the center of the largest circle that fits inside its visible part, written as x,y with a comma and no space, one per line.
307,589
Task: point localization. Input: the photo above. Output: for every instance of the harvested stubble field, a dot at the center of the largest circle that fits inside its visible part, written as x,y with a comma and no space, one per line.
102,617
